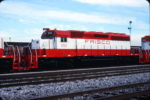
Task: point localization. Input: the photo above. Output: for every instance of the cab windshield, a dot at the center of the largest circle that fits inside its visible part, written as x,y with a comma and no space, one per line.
47,35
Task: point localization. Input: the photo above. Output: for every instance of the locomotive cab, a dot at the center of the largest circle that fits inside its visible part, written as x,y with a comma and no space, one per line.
145,49
146,43
47,34
47,41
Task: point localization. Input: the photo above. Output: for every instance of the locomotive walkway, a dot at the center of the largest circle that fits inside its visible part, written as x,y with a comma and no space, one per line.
35,78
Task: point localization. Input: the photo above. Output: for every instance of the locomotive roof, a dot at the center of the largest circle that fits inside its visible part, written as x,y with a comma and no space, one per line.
90,34
146,38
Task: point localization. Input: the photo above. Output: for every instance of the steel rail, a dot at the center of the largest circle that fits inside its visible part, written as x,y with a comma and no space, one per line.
84,74
28,74
50,79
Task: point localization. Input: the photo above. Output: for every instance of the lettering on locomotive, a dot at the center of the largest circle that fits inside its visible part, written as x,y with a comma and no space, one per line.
91,41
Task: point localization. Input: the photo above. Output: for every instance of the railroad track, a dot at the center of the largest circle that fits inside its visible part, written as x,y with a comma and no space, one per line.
113,93
21,79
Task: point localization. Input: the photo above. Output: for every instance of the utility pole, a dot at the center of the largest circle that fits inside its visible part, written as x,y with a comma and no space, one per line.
130,30
10,39
149,14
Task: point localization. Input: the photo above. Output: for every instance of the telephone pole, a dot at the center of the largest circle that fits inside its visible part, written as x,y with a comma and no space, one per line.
130,30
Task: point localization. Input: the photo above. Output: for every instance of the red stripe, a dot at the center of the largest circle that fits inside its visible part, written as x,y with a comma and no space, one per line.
81,52
94,35
146,38
90,35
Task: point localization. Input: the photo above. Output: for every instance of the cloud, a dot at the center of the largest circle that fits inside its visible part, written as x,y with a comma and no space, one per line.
68,27
143,26
26,34
129,3
33,31
31,11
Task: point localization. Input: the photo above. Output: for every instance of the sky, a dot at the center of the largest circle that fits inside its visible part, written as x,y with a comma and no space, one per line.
24,20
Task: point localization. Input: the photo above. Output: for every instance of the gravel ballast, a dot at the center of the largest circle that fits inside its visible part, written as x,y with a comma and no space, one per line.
51,89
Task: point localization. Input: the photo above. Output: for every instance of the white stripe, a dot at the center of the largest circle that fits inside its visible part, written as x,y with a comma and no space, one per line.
85,44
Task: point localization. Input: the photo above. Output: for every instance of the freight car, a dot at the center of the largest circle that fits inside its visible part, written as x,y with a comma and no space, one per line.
65,49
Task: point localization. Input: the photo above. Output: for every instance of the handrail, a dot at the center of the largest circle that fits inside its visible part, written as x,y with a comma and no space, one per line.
28,45
31,54
13,50
141,53
14,53
19,54
146,54
36,55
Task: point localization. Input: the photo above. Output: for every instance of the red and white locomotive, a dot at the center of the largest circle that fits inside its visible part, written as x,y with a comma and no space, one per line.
59,49
57,43
145,53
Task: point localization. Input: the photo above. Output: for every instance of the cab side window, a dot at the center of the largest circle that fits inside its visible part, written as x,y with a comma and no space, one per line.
63,39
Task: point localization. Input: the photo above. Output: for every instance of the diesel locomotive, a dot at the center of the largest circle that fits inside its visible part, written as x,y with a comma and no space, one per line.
66,49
